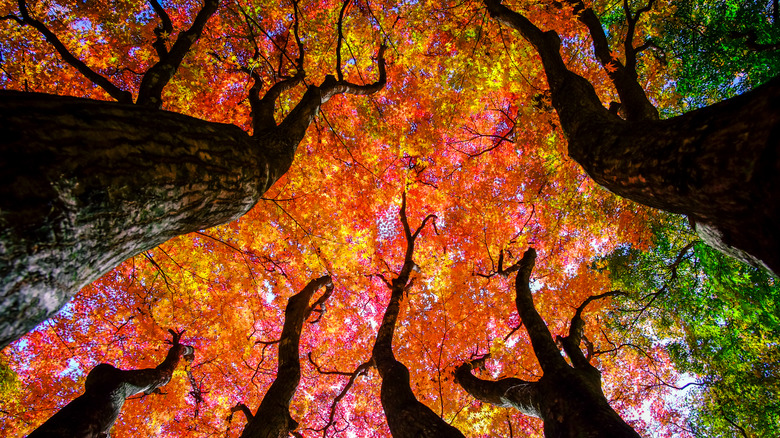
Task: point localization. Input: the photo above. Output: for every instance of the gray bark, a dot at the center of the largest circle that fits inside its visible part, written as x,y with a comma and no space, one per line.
86,184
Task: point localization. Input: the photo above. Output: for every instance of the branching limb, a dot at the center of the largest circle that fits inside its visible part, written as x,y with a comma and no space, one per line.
332,86
244,409
501,270
359,371
383,348
273,416
318,306
158,76
263,108
105,390
510,392
411,237
406,416
571,342
624,77
294,125
628,44
101,81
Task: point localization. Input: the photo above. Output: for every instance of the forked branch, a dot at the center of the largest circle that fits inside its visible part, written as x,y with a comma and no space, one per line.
273,415
571,342
158,76
163,31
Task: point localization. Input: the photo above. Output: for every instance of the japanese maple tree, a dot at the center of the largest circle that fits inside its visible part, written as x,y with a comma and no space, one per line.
465,128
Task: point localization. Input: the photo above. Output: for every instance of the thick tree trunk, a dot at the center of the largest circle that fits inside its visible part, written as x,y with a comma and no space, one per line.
86,184
569,402
568,398
719,165
92,414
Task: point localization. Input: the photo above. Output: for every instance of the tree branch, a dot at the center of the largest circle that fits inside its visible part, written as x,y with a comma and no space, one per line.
339,73
632,95
244,409
273,416
359,371
163,32
105,391
158,76
571,342
547,352
115,92
508,393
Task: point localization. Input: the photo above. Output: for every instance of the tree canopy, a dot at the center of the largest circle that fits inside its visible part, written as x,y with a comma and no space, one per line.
407,153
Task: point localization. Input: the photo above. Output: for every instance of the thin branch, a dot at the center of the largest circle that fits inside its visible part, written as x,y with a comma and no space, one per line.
162,32
337,373
331,86
268,342
513,331
101,81
244,409
339,73
741,430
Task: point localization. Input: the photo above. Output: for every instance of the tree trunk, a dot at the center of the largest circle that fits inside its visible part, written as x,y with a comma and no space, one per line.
406,416
86,184
719,165
92,414
569,402
568,398
272,419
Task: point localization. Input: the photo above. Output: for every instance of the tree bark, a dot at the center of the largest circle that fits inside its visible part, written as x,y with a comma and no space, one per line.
719,165
86,184
406,416
92,414
272,419
568,398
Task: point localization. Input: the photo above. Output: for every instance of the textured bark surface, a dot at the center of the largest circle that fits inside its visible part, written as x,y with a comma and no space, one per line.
85,184
719,165
92,414
272,419
406,416
568,398
506,393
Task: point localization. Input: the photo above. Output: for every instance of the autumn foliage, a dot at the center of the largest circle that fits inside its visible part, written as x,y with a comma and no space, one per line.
463,130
